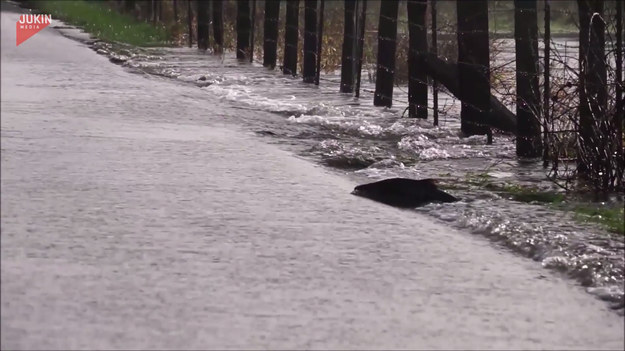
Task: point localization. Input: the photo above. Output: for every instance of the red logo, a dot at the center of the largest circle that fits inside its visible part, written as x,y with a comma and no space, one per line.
29,25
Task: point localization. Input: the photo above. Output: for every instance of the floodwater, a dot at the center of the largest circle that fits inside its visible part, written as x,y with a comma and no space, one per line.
367,143
142,211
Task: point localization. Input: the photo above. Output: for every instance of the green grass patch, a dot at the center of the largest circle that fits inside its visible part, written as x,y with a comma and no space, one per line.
610,218
514,191
478,179
97,18
528,194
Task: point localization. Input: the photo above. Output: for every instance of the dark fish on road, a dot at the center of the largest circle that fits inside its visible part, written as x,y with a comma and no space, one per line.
403,192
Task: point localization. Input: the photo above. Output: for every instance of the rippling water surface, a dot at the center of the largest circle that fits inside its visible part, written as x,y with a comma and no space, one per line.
370,143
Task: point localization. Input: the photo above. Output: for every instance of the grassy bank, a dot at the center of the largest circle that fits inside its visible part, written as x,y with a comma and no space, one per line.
100,20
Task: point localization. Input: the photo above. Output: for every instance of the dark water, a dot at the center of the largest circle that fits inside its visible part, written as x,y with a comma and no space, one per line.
140,210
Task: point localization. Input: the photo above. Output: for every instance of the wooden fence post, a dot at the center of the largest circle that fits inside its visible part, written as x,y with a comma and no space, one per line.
473,66
218,26
348,52
270,37
310,40
319,40
291,37
202,25
243,28
387,45
360,24
528,143
435,52
418,44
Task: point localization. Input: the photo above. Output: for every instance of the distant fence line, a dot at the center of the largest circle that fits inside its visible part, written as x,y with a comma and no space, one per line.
569,108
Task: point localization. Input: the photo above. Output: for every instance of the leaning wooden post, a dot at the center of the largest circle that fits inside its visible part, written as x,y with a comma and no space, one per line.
418,45
291,37
270,37
387,44
243,29
310,40
348,54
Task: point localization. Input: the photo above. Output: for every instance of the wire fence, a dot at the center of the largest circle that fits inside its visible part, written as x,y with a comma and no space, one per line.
558,75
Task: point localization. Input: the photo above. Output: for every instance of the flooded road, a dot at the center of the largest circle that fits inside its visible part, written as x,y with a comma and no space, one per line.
138,212
354,138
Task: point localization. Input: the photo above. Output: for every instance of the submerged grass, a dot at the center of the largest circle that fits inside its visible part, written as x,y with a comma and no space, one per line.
97,18
610,217
527,194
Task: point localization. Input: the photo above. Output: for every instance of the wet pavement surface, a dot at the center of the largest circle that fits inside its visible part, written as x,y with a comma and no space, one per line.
138,212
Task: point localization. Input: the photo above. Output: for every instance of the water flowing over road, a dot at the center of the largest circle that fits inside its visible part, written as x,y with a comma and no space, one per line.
138,213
